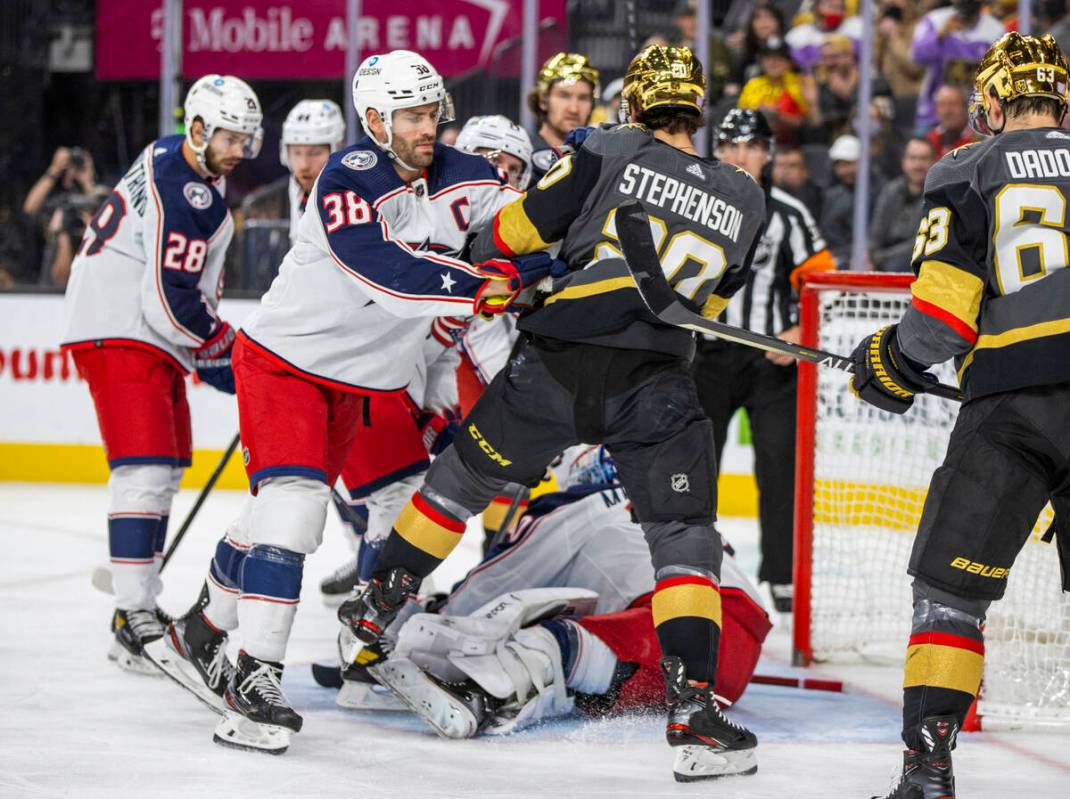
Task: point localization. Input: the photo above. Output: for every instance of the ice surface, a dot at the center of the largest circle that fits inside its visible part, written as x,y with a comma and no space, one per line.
72,724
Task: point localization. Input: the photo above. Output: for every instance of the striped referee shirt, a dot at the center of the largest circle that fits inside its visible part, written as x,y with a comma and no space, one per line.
790,244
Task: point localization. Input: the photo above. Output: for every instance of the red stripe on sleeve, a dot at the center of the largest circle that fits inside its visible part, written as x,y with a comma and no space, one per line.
948,639
499,241
451,524
952,321
690,579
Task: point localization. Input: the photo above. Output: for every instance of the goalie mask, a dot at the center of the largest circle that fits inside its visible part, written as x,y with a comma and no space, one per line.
663,77
312,122
497,134
398,79
1018,66
585,465
227,103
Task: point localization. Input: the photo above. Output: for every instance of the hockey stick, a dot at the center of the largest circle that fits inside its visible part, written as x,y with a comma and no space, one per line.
633,230
102,579
520,493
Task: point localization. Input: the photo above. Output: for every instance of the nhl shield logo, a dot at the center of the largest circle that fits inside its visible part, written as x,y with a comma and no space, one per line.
680,484
360,159
198,195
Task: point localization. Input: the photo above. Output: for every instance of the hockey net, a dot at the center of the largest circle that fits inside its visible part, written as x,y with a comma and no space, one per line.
861,480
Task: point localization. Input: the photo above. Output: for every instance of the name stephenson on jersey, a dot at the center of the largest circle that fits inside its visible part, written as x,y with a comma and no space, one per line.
993,288
374,254
149,269
704,216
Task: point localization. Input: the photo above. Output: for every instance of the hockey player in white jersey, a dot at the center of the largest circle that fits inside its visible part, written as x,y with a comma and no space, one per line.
312,131
344,320
502,142
141,313
557,616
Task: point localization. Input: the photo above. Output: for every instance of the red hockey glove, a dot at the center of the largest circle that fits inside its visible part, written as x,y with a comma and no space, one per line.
496,272
211,360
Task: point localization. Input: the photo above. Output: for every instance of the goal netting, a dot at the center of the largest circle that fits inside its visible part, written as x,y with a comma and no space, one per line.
861,481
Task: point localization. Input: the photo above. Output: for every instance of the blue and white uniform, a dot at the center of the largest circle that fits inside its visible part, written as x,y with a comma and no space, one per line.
377,252
150,266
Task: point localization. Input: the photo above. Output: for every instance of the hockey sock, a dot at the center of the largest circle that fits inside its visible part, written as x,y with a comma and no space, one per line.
945,662
423,536
270,583
687,618
224,575
589,664
131,543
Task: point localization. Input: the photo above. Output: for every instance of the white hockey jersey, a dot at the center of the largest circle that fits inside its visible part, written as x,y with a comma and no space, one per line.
353,300
150,265
580,538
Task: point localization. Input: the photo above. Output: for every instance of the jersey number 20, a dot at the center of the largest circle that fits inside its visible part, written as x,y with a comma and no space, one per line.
692,264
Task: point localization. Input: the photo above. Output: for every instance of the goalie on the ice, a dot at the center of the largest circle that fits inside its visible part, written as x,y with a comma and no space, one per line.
597,366
558,617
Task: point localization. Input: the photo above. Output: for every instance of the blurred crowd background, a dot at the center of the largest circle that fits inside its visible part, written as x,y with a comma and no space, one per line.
67,135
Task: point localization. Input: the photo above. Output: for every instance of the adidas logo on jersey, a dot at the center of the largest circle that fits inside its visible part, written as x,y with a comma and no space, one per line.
696,170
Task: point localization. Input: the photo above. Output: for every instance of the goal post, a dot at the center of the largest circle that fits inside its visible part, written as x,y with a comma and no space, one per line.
860,484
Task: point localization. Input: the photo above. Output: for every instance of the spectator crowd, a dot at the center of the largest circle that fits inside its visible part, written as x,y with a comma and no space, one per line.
797,61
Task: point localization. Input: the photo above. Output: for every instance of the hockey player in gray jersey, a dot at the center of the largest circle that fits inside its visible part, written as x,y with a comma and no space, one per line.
993,291
596,366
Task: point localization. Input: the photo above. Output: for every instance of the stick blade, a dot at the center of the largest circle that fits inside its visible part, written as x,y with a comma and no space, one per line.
633,231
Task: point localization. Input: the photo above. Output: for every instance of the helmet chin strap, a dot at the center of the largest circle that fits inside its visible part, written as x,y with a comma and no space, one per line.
201,152
388,149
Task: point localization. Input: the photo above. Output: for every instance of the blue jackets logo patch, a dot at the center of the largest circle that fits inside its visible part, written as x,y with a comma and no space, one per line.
198,195
360,159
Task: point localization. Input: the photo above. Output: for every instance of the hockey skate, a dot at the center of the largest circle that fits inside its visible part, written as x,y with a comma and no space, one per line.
134,630
453,710
707,744
359,690
258,717
370,613
340,583
196,658
928,774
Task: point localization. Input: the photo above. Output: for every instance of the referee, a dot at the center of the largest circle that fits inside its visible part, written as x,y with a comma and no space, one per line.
732,376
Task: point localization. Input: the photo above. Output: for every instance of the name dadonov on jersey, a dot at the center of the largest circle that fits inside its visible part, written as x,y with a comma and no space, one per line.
1039,163
682,199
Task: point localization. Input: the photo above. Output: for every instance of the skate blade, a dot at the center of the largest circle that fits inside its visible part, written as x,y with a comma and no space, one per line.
171,664
442,711
237,732
695,763
120,656
355,695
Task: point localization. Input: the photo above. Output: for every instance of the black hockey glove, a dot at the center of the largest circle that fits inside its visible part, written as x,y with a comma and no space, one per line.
883,376
211,360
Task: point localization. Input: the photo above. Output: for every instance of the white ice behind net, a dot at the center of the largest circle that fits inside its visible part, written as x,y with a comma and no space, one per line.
871,471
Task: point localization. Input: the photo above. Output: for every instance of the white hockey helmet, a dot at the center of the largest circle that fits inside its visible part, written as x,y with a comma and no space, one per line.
498,134
312,122
398,79
227,102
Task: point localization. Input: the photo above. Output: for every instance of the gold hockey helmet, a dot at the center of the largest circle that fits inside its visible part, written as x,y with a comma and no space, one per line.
662,76
569,67
1019,66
